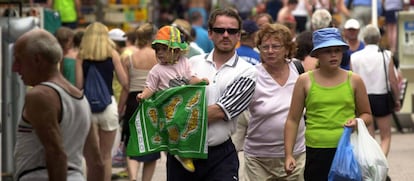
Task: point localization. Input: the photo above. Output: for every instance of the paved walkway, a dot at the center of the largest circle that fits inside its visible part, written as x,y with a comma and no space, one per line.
400,159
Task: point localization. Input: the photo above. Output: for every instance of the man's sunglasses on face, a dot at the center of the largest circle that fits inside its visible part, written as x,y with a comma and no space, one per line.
231,31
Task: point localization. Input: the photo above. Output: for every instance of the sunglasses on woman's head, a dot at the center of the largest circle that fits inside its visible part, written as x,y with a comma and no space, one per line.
231,31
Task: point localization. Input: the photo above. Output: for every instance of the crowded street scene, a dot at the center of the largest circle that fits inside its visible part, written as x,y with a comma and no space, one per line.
207,90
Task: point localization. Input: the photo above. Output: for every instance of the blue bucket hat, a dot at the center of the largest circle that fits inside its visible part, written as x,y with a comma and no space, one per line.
327,37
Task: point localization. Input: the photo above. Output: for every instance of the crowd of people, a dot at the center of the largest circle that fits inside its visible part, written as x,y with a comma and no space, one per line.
259,101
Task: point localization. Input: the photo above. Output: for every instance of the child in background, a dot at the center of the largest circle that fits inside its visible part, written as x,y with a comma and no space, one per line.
65,36
172,70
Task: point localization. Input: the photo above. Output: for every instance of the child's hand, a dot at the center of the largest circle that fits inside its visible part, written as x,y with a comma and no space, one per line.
352,123
206,80
139,97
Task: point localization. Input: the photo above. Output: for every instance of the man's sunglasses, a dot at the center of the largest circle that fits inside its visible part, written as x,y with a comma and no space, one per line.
231,31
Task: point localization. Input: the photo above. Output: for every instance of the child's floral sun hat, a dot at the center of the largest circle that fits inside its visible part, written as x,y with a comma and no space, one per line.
170,36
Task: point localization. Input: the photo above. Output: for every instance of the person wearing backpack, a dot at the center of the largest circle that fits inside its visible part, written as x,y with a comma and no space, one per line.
97,61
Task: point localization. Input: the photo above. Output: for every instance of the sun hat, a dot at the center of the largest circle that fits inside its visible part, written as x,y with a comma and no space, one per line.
352,24
117,34
170,36
327,37
183,25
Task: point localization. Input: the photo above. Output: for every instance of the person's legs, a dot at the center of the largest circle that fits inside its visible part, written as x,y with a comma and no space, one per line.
106,140
133,167
148,170
392,36
132,163
362,14
222,164
384,126
371,129
108,126
148,161
256,168
391,29
318,163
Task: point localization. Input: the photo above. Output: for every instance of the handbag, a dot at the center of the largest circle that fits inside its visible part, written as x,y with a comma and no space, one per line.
390,95
371,159
345,166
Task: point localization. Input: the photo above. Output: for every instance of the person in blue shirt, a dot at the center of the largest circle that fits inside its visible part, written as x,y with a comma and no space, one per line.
350,35
246,49
202,39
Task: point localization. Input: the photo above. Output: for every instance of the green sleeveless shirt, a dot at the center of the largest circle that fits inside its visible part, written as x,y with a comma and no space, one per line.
66,9
69,69
327,110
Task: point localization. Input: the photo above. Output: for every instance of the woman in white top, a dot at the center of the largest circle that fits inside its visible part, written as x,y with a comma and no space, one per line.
269,107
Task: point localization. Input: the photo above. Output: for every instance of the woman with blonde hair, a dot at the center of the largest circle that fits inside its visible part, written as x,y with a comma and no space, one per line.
137,68
96,49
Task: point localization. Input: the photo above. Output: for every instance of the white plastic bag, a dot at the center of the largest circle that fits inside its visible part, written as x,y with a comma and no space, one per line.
117,142
373,163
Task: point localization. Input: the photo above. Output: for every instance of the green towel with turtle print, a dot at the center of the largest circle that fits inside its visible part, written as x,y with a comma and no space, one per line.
173,120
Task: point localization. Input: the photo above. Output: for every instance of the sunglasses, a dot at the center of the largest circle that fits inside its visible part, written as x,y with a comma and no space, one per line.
231,31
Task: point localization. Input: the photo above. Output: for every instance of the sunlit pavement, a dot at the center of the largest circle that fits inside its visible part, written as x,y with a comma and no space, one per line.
400,159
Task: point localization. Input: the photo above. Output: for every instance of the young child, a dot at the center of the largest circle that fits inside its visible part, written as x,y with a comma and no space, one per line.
172,70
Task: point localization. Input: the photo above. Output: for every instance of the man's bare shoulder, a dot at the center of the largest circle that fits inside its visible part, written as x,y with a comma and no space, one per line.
41,97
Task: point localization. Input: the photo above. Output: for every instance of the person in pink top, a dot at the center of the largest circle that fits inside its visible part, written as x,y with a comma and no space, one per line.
172,70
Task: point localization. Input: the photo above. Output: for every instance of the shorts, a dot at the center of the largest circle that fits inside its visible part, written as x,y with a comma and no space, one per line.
42,174
146,158
260,168
318,163
391,16
108,119
379,105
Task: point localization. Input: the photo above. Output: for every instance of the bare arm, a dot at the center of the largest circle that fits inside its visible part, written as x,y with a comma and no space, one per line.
93,157
196,80
61,67
49,4
124,92
214,113
292,123
79,73
119,70
145,94
309,8
363,109
42,110
122,101
78,5
394,85
340,5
